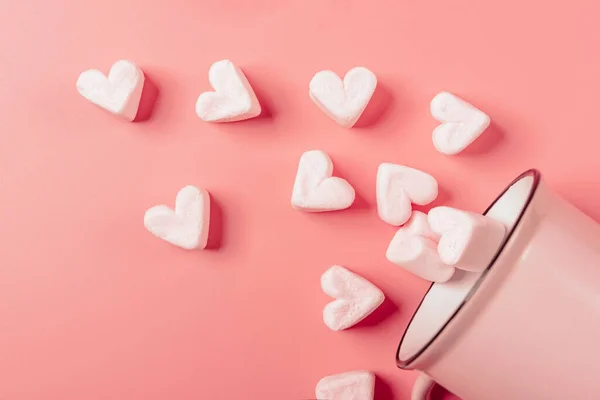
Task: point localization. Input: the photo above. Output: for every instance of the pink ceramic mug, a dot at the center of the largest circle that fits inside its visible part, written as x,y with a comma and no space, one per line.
526,328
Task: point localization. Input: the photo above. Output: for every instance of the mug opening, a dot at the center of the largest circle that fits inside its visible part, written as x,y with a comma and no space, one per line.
443,301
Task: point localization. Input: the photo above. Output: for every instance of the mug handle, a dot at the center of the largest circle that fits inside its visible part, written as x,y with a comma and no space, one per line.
422,387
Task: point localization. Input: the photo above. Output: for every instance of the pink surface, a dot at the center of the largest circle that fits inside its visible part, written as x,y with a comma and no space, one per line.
94,307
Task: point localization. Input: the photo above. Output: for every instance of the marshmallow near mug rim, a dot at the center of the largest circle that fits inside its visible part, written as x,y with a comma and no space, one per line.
405,363
529,318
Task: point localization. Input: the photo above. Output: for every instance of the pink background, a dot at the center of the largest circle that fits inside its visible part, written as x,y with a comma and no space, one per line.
92,306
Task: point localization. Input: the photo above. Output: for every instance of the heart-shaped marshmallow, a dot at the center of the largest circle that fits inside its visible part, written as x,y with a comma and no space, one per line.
355,298
399,186
187,226
461,123
343,101
414,248
120,93
352,385
233,98
468,241
315,189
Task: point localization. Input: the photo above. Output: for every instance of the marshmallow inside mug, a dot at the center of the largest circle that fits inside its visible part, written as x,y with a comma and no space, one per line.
444,300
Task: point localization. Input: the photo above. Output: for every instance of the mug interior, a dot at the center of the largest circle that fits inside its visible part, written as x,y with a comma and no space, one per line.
444,300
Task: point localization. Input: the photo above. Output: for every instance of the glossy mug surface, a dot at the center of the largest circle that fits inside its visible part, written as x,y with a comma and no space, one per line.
528,326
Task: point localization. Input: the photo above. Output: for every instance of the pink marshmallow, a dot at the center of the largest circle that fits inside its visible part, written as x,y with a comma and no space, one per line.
468,241
398,187
355,298
414,248
352,385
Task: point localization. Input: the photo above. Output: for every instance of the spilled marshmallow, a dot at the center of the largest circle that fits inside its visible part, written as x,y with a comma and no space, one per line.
352,385
468,241
343,101
233,98
355,298
461,123
119,93
187,225
315,189
398,187
414,248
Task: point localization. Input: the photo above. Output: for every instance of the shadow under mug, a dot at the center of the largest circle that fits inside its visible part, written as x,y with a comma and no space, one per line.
528,326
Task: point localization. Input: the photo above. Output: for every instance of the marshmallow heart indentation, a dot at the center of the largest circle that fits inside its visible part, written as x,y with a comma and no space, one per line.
352,385
187,225
461,123
233,98
344,101
414,248
398,187
119,93
355,298
468,241
315,189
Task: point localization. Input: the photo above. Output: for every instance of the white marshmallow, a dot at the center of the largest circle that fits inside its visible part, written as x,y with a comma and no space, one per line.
414,248
187,226
468,241
355,298
343,101
120,93
315,189
399,186
418,225
352,385
233,98
461,123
